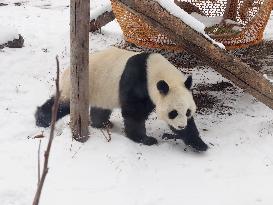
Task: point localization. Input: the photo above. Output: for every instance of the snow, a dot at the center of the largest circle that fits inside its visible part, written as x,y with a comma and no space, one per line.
207,21
211,21
268,34
7,33
100,9
229,21
175,10
268,78
237,170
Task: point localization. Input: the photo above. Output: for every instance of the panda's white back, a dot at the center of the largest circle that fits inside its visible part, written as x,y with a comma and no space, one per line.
106,68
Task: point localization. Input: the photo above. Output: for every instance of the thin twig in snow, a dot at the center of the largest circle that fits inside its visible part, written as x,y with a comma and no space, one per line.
109,133
76,152
39,163
51,136
108,139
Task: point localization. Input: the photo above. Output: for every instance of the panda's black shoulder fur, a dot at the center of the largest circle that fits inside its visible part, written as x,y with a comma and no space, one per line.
134,96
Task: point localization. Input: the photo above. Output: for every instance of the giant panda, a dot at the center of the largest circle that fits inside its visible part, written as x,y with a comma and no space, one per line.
137,83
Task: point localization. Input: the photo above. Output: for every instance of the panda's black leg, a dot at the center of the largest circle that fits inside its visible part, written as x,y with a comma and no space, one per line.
190,136
43,113
100,118
136,131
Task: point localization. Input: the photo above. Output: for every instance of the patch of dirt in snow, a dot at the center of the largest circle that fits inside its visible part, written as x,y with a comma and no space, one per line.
208,101
179,59
259,57
3,4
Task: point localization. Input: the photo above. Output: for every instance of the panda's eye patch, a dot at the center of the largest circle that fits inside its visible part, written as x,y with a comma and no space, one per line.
188,113
173,114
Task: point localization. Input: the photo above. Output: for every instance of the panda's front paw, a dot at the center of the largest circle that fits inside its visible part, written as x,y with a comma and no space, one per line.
197,144
148,140
169,136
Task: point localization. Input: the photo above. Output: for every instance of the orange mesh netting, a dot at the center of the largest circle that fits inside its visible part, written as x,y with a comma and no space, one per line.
137,31
252,15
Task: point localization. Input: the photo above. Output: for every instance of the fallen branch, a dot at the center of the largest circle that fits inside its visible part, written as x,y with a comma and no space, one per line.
189,7
76,152
52,128
108,139
39,162
109,134
15,43
101,20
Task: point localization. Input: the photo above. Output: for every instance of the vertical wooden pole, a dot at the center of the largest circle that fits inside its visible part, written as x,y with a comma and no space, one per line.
79,65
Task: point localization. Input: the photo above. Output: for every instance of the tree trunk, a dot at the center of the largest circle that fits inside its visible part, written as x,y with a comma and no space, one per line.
193,42
79,65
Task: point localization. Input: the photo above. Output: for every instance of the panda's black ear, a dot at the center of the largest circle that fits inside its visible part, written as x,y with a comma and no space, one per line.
162,87
188,82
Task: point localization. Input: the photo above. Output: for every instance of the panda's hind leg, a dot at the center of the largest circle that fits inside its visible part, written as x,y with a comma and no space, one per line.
100,117
43,113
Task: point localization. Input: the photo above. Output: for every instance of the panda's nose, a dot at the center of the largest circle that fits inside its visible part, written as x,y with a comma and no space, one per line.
181,127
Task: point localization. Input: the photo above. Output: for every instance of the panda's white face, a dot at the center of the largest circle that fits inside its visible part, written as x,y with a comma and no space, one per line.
176,104
170,91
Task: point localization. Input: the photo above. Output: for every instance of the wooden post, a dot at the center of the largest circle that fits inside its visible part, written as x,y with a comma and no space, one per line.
79,65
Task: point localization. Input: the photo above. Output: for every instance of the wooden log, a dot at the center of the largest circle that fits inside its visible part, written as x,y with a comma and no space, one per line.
15,43
189,7
79,65
102,20
194,42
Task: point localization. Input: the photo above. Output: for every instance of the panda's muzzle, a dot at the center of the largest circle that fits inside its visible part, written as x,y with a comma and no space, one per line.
177,130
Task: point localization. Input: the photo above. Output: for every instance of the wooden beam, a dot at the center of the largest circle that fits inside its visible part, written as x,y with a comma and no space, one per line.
102,20
79,65
195,43
15,43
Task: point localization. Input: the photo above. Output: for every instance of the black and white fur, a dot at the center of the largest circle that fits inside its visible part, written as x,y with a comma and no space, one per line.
137,83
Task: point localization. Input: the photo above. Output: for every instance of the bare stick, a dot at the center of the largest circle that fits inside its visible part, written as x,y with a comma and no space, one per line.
108,139
109,133
39,163
52,128
76,152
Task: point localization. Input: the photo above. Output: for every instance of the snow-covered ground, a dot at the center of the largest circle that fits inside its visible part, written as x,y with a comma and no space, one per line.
7,34
237,169
268,34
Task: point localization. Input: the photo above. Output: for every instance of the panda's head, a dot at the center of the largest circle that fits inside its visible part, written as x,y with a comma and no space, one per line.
175,104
